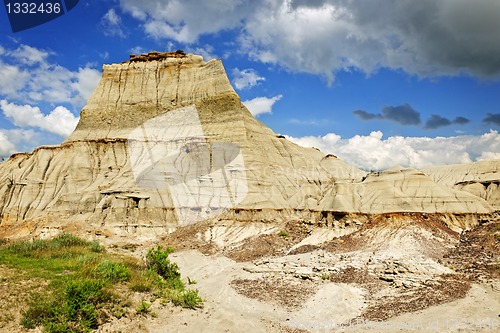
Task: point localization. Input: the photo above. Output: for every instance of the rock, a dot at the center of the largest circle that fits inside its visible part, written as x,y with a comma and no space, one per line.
481,179
164,141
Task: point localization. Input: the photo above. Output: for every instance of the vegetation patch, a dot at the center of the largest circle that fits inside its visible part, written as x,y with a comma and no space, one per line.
86,286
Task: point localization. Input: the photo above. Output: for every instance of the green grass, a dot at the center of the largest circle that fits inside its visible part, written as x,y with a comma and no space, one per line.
84,279
283,233
143,308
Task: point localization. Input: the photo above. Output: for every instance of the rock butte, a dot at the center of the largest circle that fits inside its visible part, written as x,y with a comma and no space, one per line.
164,141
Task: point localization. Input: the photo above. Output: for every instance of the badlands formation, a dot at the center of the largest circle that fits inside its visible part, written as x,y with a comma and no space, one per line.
285,238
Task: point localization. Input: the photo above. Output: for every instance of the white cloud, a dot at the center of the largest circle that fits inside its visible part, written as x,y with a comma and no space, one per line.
424,37
6,146
15,140
137,50
207,51
112,25
28,55
246,78
260,105
59,121
373,152
12,79
85,82
184,21
30,77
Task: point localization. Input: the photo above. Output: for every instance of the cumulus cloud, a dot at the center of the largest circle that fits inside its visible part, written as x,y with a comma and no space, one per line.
85,82
437,121
137,50
492,118
6,146
207,51
402,114
15,140
30,77
28,55
373,152
111,24
59,121
425,37
246,78
260,105
184,21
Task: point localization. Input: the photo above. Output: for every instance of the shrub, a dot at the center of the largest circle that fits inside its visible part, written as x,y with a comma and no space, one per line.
73,310
94,246
81,298
188,299
283,233
143,308
112,271
157,261
68,240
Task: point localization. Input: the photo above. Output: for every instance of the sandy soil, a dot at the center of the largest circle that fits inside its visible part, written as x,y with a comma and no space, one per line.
389,276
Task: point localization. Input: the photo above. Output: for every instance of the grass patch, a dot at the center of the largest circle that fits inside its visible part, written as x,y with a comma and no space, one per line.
188,299
283,233
144,308
83,279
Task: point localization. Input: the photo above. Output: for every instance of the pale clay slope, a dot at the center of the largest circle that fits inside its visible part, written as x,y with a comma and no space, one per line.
480,178
168,143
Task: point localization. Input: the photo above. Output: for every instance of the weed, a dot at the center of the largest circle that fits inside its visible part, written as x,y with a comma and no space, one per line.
94,246
141,286
68,240
191,281
284,233
75,309
157,261
188,299
112,271
144,308
325,277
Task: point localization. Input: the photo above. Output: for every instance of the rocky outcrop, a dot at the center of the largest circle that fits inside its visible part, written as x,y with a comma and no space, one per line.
409,190
164,141
480,178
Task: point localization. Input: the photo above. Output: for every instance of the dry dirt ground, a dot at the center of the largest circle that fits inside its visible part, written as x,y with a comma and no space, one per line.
394,274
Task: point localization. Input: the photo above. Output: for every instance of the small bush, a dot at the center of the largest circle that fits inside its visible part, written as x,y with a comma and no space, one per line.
28,249
68,240
283,233
157,261
143,308
94,246
111,271
325,277
73,310
141,286
81,298
188,299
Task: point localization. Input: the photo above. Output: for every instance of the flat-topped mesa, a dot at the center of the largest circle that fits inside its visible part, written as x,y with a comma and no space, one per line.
164,141
146,86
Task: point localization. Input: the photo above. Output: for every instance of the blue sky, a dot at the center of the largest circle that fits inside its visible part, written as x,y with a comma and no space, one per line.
378,83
